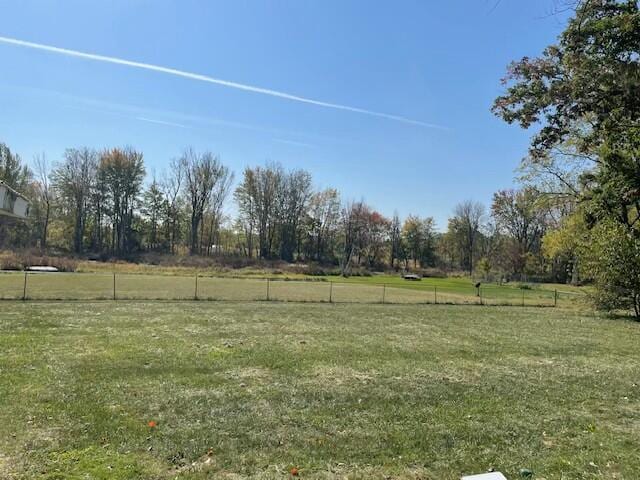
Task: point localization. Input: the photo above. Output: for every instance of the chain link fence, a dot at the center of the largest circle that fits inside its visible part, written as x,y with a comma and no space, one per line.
103,286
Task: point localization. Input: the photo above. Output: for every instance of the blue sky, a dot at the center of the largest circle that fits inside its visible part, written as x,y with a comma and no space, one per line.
434,62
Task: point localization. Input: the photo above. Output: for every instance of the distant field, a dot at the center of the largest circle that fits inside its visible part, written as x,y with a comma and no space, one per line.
240,390
375,289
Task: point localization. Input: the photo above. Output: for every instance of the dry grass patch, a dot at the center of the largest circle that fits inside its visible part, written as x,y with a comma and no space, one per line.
250,390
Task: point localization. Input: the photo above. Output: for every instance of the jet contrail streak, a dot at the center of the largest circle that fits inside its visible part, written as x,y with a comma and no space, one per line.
161,122
208,79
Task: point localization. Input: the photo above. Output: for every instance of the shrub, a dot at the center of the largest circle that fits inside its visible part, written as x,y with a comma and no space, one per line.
612,259
10,261
23,260
432,272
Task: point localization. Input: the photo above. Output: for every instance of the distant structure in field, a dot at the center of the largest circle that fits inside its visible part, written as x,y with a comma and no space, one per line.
12,204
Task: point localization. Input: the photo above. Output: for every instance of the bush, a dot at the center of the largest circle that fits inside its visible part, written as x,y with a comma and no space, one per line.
432,273
10,261
23,260
612,259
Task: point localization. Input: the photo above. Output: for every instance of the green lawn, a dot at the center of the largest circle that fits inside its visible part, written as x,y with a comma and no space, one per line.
339,391
375,289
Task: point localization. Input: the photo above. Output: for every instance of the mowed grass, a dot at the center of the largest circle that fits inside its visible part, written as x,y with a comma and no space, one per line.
376,289
338,391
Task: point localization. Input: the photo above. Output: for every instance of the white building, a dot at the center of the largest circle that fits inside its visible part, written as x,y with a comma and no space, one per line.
12,204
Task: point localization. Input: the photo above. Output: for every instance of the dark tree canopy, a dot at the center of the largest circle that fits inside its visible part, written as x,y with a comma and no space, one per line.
584,93
587,86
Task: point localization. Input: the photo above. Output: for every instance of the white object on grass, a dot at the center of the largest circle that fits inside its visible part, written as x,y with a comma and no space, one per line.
485,476
39,268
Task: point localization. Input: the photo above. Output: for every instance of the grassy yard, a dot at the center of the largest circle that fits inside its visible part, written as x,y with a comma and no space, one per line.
375,289
337,391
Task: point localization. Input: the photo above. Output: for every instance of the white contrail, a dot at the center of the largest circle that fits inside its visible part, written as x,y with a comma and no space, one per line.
205,78
294,143
161,122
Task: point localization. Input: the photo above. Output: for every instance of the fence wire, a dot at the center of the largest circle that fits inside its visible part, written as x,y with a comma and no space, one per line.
104,286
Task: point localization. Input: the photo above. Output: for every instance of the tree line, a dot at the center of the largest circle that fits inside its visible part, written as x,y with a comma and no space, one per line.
104,203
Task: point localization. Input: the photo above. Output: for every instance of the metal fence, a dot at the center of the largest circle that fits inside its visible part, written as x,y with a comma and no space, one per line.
104,286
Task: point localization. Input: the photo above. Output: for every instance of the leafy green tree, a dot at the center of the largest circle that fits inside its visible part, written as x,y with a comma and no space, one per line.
584,88
563,245
583,91
612,258
483,266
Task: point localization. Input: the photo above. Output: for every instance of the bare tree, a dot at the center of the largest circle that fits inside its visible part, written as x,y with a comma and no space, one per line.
519,214
322,221
294,196
73,180
258,200
246,198
153,203
172,185
467,220
214,211
206,181
418,238
395,238
123,172
43,172
353,229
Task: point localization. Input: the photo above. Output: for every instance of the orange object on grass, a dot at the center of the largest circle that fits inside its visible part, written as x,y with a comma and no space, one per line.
152,424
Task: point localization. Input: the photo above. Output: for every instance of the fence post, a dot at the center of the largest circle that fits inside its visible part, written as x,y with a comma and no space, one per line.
330,292
268,281
24,289
480,294
435,295
555,297
114,285
384,291
523,297
195,295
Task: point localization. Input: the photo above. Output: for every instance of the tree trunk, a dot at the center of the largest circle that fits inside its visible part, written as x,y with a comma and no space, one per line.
45,227
194,234
574,272
77,237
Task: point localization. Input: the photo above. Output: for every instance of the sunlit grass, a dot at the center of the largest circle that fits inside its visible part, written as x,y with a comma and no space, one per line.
376,289
338,391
